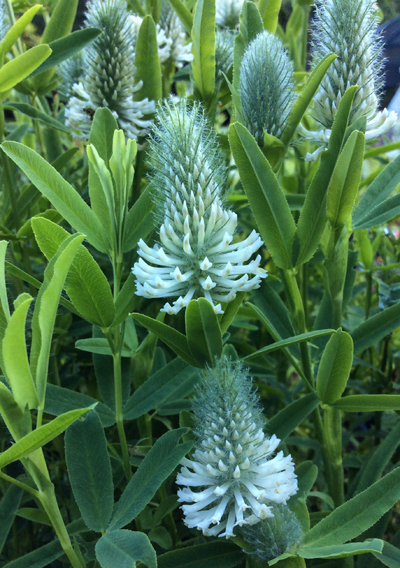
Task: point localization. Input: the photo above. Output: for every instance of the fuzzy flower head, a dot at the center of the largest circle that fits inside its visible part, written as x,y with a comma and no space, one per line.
71,72
266,86
228,13
348,28
224,44
180,51
109,73
195,255
232,479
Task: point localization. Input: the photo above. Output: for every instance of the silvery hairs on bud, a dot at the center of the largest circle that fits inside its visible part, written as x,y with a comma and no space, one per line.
195,256
109,73
228,13
232,479
266,86
224,44
348,28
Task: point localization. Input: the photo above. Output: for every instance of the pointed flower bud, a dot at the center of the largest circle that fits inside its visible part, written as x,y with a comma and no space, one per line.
196,233
228,13
232,479
348,28
109,73
266,86
180,50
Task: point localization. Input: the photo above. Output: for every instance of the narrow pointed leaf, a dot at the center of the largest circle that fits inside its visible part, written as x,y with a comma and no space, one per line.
290,341
184,14
376,328
368,402
16,30
147,62
342,550
287,420
335,367
203,333
203,47
8,508
19,68
36,114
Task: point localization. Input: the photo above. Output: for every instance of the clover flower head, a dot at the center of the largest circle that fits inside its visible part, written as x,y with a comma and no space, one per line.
109,73
274,536
180,48
348,28
266,86
196,255
233,478
228,13
224,44
71,71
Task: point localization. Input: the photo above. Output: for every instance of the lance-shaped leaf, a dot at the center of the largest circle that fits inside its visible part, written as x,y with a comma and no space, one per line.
203,332
45,311
335,366
342,550
19,68
203,47
184,14
8,508
39,437
36,114
16,365
343,187
59,192
375,328
16,30
148,69
368,402
267,200
269,10
17,421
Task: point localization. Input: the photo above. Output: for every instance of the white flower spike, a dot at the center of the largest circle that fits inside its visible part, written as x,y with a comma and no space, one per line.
196,255
109,73
228,13
180,50
349,29
232,479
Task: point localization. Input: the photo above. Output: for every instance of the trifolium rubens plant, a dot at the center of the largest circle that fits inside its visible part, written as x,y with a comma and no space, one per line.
266,86
196,255
109,74
228,13
233,478
180,50
348,28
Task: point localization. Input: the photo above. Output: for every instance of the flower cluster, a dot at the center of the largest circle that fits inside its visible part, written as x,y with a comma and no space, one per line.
228,13
266,86
348,28
179,50
196,255
232,479
108,78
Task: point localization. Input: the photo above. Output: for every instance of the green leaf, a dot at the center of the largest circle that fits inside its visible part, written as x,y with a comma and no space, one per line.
269,10
170,336
36,114
368,402
376,328
89,471
100,346
126,301
343,187
19,68
124,548
203,333
140,221
148,68
312,220
3,288
390,555
61,21
266,198
39,437
159,463
341,550
217,554
13,416
290,341
66,47
45,311
379,459
34,515
8,508
306,475
287,420
355,516
184,14
39,558
250,26
335,367
16,365
16,30
60,400
85,283
230,311
159,387
384,212
203,47
58,191
305,97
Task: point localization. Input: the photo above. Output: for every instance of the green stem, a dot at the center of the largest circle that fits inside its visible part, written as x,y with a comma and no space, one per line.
23,486
368,277
333,442
119,416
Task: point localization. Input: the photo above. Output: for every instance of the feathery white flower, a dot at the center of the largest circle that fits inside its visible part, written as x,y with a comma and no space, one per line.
180,48
109,73
266,86
232,479
196,255
228,13
348,28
